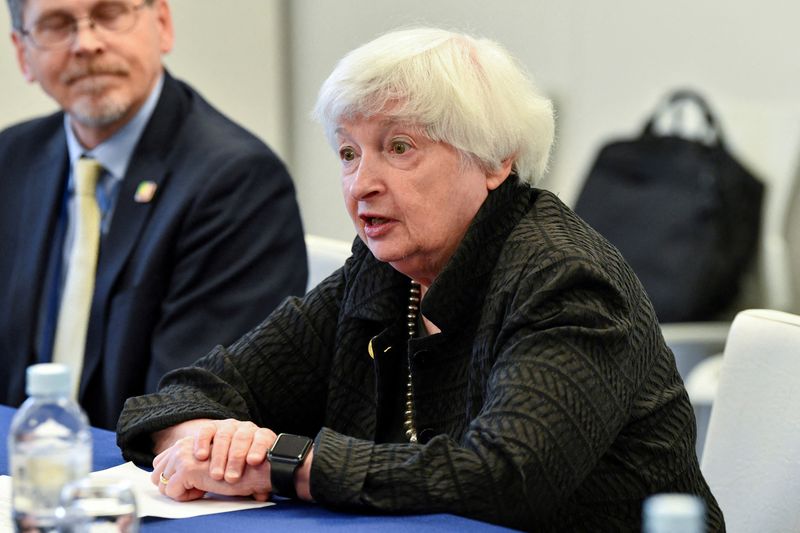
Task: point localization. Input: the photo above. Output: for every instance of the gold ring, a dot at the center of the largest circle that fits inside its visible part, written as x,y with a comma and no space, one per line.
163,479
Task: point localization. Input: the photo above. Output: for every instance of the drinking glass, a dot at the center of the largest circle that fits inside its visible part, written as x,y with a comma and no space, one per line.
98,505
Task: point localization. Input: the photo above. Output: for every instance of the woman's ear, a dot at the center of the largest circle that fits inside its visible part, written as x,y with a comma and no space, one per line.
496,177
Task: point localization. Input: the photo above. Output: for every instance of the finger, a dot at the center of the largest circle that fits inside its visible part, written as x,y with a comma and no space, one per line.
163,480
189,495
159,459
240,445
262,442
176,480
155,476
155,473
220,448
181,488
168,471
202,441
159,462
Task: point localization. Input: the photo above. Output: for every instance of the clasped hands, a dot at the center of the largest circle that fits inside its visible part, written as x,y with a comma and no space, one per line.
227,457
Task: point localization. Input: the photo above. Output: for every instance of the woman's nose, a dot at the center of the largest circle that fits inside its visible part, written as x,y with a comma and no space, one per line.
366,180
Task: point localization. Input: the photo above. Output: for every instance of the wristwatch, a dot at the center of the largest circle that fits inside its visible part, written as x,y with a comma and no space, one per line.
287,453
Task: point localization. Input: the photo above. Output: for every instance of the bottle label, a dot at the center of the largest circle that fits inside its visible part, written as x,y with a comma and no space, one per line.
39,474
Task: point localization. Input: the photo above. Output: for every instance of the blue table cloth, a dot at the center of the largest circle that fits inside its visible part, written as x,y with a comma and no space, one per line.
287,515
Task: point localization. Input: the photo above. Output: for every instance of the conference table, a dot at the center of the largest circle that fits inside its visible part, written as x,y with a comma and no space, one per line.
286,515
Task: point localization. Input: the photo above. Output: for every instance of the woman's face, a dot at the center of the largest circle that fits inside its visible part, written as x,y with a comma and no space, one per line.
411,199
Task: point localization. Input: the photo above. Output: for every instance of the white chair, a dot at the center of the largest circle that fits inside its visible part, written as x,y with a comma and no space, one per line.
324,257
701,385
751,458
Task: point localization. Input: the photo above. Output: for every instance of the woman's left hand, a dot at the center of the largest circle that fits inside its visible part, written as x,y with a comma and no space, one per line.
180,475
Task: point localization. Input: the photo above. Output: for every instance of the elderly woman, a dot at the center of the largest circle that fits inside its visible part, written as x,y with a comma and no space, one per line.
483,352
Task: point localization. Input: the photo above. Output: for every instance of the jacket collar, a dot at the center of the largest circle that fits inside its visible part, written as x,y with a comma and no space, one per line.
376,291
461,286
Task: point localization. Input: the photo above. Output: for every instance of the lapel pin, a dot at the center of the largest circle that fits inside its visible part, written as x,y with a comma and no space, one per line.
145,191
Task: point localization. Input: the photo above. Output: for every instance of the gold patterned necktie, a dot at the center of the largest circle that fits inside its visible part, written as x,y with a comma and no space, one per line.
76,300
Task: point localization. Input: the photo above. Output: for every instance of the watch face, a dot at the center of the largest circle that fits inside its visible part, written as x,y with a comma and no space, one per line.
291,447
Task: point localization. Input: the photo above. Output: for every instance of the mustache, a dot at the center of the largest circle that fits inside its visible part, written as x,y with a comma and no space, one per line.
76,72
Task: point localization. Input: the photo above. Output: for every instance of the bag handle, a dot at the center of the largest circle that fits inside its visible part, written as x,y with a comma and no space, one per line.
713,132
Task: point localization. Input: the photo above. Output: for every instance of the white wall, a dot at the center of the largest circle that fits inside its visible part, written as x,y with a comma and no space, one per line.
233,52
19,100
606,63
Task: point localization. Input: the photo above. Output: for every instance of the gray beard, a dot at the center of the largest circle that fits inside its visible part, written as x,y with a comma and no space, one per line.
98,115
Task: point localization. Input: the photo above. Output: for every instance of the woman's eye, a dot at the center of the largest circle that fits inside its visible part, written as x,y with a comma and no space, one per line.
400,147
347,154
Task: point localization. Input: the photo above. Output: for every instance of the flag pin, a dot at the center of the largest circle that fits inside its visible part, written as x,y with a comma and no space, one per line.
145,191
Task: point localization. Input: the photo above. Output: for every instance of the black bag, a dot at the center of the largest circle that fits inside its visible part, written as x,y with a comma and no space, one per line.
684,213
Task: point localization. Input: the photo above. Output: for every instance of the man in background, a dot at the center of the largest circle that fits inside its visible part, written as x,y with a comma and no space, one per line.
189,233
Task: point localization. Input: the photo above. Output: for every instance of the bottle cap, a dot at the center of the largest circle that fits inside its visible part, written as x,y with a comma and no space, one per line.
48,378
673,512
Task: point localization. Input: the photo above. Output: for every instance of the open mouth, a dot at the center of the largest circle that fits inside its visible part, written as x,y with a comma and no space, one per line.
376,227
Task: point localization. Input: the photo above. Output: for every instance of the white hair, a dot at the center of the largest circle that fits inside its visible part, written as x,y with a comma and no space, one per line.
467,92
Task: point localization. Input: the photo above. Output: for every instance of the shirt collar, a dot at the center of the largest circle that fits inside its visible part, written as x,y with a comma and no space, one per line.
115,153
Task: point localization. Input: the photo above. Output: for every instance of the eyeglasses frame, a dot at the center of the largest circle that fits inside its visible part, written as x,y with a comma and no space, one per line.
76,21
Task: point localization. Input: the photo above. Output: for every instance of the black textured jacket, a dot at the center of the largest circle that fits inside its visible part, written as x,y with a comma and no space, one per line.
548,402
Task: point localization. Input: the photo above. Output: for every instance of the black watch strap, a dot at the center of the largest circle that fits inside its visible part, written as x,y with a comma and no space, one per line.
287,453
282,478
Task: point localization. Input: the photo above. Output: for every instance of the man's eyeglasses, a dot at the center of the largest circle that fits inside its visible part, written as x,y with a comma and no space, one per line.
59,29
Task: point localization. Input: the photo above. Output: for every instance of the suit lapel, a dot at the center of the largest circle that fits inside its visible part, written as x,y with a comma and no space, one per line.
42,183
150,162
126,226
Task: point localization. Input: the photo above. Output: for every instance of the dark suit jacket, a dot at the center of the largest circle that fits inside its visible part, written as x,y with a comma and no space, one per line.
218,247
549,401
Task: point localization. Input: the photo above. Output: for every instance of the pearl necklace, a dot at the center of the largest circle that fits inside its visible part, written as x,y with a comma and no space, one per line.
413,314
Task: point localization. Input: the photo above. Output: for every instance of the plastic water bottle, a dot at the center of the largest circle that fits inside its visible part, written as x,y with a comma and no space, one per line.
49,445
674,513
